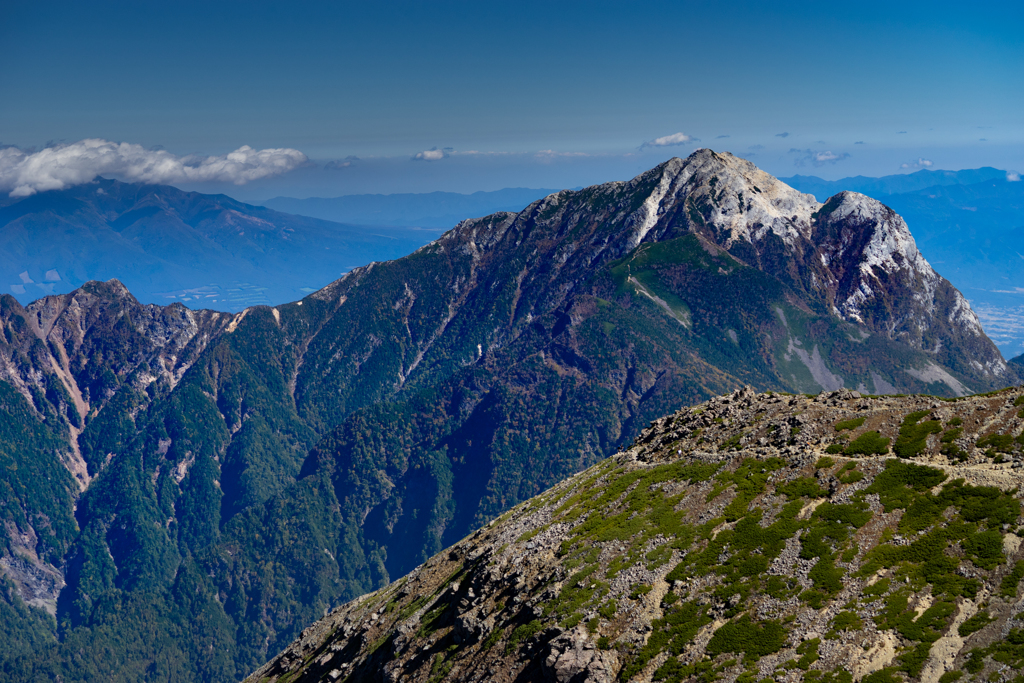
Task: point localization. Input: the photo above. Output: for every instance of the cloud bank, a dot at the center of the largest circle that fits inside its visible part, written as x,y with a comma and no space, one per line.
56,168
670,141
339,164
817,158
920,163
433,154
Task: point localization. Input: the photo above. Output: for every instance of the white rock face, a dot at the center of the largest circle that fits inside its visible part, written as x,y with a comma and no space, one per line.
864,256
746,203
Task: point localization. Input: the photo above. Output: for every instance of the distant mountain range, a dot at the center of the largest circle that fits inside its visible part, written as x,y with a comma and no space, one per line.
168,245
183,491
431,210
208,251
892,184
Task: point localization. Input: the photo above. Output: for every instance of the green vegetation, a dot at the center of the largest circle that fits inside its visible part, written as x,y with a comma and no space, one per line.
523,633
1008,652
670,633
847,621
914,434
948,447
1008,588
1001,443
751,638
850,424
974,624
868,443
804,487
849,474
750,480
981,513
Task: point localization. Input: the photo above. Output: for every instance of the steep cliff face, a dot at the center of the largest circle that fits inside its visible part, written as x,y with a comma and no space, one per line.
753,537
247,471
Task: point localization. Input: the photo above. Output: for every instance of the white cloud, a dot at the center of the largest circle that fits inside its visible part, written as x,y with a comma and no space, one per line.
1012,177
546,153
337,164
816,157
670,140
62,166
433,154
920,163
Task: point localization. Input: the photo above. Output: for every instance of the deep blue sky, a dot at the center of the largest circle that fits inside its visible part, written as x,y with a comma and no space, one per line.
942,82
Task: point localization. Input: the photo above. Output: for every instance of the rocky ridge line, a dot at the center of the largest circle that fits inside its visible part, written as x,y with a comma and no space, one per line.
564,588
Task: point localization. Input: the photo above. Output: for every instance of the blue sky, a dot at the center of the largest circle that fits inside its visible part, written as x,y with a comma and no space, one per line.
553,94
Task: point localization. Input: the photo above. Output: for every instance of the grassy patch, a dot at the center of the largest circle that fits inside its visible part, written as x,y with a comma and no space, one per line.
974,624
753,639
913,434
522,634
849,425
868,443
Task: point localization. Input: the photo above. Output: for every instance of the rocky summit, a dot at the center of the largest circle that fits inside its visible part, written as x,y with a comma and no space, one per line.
829,538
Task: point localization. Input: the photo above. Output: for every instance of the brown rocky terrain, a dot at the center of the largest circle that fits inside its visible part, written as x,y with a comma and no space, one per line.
756,536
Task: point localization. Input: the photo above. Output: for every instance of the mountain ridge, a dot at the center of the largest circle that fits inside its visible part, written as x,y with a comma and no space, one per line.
894,184
278,461
752,537
173,245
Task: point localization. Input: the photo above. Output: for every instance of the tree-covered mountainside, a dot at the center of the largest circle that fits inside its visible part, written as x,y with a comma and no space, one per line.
215,482
755,537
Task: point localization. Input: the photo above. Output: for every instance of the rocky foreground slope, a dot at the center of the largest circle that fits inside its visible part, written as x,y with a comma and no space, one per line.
756,536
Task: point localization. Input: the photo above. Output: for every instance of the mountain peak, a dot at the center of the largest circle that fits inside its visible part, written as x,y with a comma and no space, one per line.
735,199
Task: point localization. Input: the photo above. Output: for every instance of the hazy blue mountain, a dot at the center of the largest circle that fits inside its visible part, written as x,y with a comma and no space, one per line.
891,184
430,210
168,245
